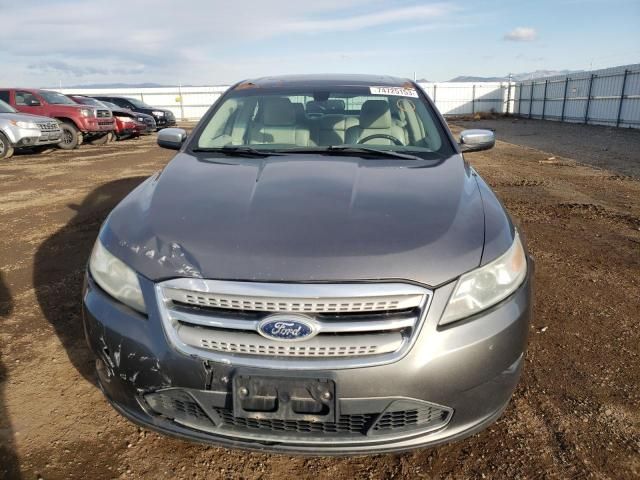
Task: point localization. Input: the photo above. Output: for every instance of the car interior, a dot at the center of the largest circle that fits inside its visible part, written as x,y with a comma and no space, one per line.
305,122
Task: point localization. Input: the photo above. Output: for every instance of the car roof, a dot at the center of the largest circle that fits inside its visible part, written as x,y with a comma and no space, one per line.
323,80
104,95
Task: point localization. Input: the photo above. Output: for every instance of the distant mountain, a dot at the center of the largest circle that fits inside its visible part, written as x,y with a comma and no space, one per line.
517,77
469,78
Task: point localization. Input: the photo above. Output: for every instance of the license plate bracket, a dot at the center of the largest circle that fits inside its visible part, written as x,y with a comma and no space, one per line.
263,397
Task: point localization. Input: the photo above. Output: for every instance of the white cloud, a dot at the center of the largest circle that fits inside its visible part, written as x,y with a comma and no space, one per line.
521,34
74,41
383,17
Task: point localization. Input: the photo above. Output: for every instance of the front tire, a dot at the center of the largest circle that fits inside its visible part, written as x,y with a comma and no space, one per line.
103,140
71,137
6,150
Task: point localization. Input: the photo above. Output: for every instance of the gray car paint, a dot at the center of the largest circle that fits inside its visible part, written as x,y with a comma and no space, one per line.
303,218
418,216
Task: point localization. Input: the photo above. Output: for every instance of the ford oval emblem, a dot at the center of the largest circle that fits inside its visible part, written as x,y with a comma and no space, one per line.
288,327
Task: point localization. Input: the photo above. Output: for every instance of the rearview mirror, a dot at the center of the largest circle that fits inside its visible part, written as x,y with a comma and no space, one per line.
33,102
171,138
476,140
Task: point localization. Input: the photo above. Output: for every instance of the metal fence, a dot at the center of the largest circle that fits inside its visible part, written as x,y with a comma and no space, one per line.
191,103
462,98
603,97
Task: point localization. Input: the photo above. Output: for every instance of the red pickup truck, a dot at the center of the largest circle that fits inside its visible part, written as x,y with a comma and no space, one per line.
78,122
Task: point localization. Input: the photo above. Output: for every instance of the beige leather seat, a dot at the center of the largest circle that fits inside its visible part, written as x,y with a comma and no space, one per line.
375,118
277,124
331,129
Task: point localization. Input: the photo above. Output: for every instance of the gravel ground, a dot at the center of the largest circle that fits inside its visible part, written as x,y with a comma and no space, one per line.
575,414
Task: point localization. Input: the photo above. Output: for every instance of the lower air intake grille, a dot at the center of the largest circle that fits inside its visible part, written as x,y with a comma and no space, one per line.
401,416
346,424
180,407
406,418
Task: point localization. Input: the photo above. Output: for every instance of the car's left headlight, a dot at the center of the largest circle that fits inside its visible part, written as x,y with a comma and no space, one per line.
485,286
116,278
22,124
158,113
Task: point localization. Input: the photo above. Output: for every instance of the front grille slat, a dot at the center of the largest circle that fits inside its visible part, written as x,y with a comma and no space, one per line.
342,324
251,343
291,305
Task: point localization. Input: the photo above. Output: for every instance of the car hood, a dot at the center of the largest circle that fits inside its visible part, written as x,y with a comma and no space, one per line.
302,218
25,117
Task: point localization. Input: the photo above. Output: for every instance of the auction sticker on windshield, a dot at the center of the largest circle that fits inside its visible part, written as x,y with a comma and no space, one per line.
397,91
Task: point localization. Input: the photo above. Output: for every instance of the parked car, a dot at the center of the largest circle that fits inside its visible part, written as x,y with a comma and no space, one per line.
164,118
78,122
147,124
21,130
341,283
127,123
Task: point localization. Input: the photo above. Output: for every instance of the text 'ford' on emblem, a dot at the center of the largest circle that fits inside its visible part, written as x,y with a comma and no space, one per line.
288,327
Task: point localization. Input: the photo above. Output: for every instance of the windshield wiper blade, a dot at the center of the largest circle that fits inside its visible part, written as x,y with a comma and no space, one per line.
371,151
239,151
351,149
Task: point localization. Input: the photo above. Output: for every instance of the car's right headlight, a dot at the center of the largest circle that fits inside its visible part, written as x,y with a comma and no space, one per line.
116,278
23,124
483,287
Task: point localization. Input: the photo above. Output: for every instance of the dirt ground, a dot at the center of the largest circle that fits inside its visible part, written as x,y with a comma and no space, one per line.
615,149
575,414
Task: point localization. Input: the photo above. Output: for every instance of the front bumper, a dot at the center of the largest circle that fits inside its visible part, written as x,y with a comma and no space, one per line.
96,125
30,137
165,121
469,368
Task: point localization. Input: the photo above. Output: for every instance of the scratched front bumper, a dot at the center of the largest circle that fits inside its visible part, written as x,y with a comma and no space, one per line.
471,368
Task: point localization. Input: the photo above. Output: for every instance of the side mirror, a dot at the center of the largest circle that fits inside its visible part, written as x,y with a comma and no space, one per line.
476,140
171,138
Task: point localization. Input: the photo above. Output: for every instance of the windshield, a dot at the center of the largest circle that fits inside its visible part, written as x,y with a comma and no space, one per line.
109,105
138,103
6,108
55,98
89,101
382,118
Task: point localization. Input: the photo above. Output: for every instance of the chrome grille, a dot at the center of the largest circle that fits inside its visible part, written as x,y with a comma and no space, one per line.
356,324
312,305
254,344
103,114
48,126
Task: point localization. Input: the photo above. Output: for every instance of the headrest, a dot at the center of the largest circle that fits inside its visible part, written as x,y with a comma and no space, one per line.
278,112
299,109
334,105
375,114
314,107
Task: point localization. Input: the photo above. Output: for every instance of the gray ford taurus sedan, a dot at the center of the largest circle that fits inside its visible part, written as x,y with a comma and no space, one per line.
318,270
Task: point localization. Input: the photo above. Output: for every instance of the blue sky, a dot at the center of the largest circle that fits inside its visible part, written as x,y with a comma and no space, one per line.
204,42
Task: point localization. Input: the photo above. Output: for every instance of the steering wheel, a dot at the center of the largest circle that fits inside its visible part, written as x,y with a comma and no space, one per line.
395,140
